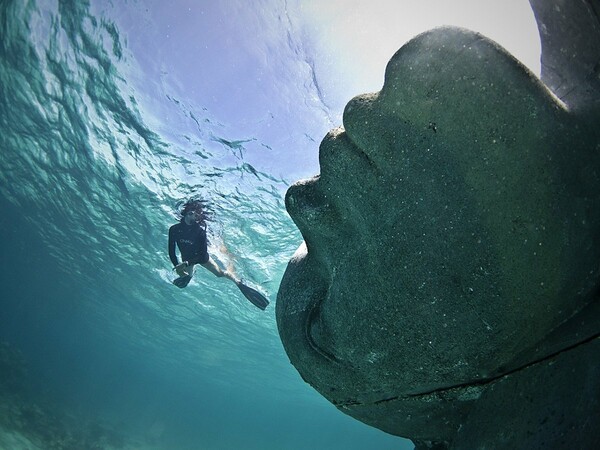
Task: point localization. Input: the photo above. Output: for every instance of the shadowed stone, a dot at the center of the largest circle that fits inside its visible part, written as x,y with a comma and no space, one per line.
570,36
447,288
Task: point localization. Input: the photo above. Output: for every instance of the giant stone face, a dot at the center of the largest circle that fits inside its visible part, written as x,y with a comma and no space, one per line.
452,229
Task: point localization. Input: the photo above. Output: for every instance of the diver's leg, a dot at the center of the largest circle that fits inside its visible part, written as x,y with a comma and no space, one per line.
212,267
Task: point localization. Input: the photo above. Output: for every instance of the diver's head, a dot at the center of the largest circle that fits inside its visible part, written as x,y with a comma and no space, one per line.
194,211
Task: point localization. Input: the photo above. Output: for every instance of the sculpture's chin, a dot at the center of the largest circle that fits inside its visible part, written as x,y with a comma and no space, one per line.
300,295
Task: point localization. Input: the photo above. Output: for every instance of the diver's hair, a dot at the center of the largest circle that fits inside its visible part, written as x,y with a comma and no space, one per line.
200,206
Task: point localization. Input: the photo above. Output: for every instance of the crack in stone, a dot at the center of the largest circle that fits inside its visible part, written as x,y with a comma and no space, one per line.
440,392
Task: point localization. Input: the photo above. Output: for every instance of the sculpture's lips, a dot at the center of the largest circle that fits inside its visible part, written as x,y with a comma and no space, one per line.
313,207
302,299
313,203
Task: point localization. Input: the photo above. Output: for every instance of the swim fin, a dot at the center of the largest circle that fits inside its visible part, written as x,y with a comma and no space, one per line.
183,281
255,297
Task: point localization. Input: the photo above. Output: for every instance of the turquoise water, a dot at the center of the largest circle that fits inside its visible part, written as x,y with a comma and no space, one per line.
98,145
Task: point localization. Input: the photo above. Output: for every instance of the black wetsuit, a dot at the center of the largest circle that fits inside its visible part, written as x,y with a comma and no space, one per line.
191,240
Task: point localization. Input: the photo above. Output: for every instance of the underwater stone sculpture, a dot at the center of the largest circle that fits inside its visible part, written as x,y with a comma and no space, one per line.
447,288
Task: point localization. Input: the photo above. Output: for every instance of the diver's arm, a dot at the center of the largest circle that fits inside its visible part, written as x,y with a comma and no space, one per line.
172,254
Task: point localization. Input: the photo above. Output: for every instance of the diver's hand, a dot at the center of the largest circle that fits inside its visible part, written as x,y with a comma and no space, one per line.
181,269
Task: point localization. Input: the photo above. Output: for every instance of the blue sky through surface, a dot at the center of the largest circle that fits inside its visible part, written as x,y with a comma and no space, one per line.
278,73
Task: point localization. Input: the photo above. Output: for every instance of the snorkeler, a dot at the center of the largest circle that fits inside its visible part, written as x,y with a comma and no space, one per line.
190,236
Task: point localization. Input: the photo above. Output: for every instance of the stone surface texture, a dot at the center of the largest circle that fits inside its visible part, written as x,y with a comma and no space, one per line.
447,287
